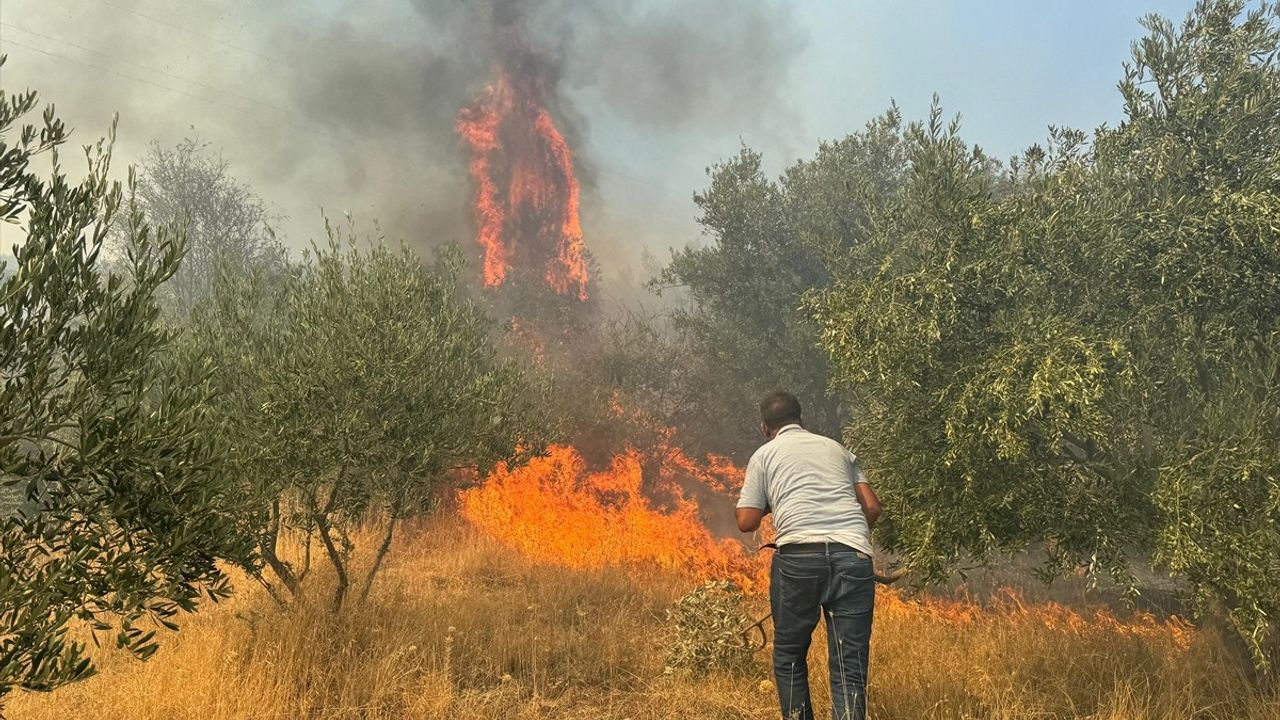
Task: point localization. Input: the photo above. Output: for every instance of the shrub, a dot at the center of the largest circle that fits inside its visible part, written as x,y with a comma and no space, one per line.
707,628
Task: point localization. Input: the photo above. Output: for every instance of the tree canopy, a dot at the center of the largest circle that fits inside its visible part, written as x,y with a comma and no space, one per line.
1085,353
740,318
225,223
123,517
356,382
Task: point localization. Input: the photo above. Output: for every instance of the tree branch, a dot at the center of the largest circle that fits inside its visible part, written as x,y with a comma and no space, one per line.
335,557
267,545
382,551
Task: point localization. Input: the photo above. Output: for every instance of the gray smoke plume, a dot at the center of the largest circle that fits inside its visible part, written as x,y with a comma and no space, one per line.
351,106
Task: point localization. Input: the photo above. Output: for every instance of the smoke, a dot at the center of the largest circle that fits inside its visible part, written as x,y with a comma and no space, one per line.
672,67
351,107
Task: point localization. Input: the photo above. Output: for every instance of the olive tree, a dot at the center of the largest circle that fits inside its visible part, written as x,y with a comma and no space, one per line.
352,385
118,514
1087,355
739,295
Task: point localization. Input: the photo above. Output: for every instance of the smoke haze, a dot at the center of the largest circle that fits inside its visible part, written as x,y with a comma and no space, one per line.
351,106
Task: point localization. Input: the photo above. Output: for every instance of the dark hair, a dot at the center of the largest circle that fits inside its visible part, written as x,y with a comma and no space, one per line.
779,409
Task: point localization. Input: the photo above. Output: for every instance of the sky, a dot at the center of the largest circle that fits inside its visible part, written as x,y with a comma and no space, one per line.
348,106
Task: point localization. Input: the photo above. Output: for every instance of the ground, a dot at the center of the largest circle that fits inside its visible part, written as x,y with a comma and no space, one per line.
462,627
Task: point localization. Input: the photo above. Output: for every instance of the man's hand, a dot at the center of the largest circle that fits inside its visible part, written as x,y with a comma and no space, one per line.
866,498
749,518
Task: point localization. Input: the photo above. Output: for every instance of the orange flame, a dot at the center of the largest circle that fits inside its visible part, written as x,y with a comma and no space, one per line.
526,192
478,124
555,510
571,270
1007,607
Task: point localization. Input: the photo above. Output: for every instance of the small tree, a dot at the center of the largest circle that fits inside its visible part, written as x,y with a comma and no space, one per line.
122,516
356,382
225,223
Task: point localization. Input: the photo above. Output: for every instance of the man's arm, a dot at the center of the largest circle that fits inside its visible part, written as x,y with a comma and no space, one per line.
869,502
753,504
866,496
749,518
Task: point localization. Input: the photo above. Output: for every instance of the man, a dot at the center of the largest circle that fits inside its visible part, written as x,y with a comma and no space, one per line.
823,510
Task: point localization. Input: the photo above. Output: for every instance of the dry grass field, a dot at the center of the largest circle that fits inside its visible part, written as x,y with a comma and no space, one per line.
461,627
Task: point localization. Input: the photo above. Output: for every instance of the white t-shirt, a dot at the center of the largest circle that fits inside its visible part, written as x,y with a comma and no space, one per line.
807,481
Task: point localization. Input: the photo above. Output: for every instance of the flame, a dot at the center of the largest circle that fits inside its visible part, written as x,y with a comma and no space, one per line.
555,510
571,270
1008,607
478,124
526,193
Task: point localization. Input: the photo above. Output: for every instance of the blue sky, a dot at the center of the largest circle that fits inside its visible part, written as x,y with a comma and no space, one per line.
1009,68
250,78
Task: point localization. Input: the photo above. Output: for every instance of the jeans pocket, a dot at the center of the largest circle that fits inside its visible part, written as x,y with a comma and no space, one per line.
800,591
859,568
854,590
799,584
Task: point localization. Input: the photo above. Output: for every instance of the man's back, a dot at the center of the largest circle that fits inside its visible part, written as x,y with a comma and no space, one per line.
807,481
822,509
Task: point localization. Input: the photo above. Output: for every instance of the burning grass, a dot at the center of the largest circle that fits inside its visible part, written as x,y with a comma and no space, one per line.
463,626
555,510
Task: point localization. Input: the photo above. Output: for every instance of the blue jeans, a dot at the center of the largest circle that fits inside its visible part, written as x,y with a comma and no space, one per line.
838,584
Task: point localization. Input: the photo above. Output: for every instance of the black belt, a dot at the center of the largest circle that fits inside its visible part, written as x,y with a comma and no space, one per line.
809,547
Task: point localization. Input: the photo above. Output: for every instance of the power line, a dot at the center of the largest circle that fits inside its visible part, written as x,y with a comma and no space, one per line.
180,28
140,67
106,70
285,114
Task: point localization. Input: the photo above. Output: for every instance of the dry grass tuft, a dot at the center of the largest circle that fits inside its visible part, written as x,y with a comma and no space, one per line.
462,628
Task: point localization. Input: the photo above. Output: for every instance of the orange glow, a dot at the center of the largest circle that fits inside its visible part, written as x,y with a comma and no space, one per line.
525,199
555,510
478,124
1009,607
570,270
640,511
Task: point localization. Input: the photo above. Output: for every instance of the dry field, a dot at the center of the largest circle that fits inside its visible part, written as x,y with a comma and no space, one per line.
460,627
